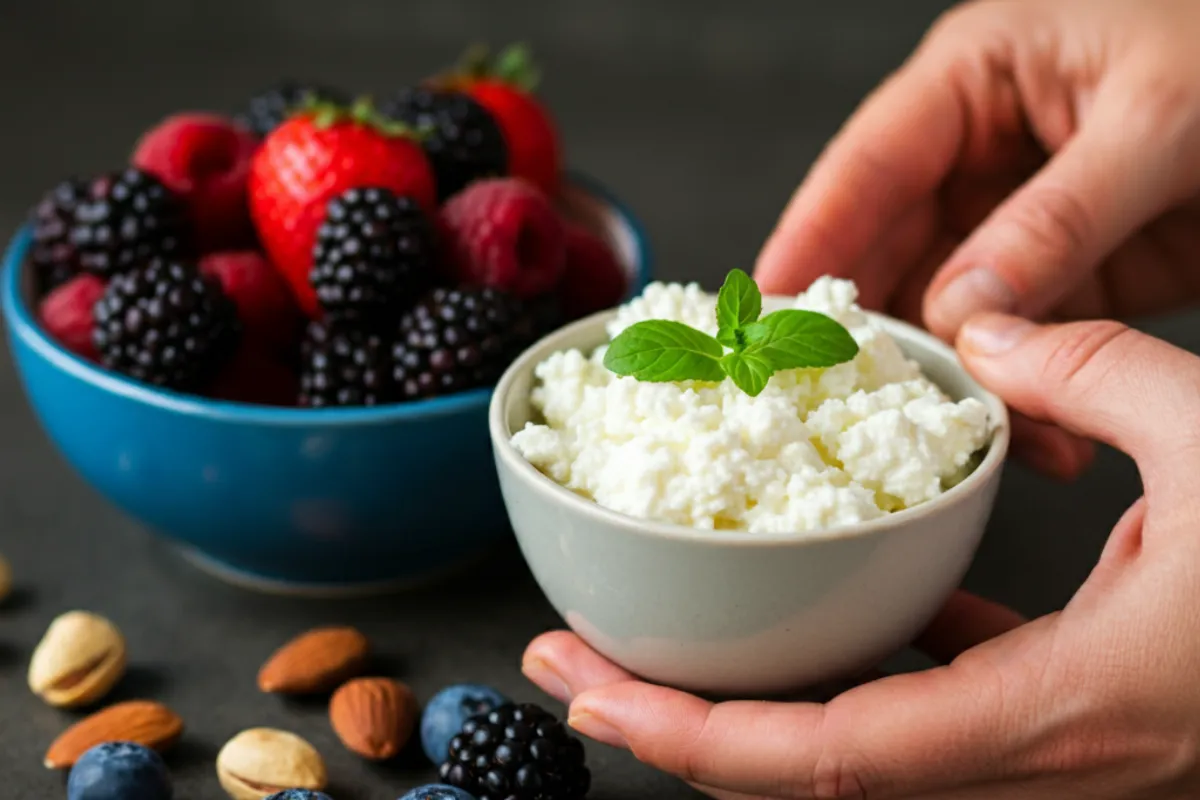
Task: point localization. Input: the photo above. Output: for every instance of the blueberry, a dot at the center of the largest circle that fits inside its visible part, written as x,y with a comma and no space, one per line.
299,794
437,791
448,710
119,771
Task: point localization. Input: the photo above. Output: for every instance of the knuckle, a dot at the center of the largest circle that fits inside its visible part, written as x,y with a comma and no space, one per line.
836,777
1078,348
1057,223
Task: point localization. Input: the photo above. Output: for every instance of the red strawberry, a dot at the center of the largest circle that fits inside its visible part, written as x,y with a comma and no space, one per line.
66,314
315,156
504,233
254,376
264,302
205,159
593,279
504,86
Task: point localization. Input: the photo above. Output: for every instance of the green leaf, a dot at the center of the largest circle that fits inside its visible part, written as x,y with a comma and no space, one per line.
738,304
662,351
750,372
795,339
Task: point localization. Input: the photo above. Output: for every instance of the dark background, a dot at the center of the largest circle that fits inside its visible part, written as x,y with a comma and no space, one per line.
703,115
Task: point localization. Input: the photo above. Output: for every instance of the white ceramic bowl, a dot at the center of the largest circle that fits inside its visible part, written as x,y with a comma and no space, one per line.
736,613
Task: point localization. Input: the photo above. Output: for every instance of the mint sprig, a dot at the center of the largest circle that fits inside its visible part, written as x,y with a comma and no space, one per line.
663,351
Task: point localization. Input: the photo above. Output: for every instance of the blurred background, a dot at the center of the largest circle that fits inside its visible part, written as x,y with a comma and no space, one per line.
701,114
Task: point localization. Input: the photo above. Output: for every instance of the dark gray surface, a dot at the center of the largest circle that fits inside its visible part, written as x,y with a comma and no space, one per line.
703,115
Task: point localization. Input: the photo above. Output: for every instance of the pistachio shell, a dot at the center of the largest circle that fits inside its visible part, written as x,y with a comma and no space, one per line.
80,658
259,762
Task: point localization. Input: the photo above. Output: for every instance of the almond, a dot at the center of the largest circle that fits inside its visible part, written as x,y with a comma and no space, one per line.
374,717
316,661
142,722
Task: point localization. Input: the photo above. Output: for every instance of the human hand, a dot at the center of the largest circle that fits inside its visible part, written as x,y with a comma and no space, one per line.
937,197
1095,701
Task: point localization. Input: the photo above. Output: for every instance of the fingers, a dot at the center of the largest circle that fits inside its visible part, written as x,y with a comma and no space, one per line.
898,737
563,666
966,621
890,156
1050,450
1098,379
1117,173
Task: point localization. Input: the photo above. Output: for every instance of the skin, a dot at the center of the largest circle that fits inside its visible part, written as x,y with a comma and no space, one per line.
942,180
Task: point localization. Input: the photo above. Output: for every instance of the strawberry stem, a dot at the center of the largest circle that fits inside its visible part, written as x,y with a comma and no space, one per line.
513,65
361,112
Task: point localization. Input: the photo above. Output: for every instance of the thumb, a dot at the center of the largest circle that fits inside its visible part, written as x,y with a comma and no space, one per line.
1121,170
1101,380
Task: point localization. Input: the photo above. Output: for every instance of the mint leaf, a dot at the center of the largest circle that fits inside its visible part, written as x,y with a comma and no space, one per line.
662,351
749,371
794,339
738,304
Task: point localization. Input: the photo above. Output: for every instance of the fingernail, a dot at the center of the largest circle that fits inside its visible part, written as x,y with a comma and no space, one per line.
595,727
549,681
994,334
973,292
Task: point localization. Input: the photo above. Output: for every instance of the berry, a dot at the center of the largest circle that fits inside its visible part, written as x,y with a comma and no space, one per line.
264,303
504,86
127,219
375,253
165,324
119,770
66,314
457,339
270,108
517,752
344,366
463,142
299,794
312,158
205,160
445,714
504,233
53,256
437,791
592,280
255,376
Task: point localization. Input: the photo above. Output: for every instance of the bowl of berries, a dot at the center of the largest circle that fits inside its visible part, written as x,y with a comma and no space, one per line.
272,337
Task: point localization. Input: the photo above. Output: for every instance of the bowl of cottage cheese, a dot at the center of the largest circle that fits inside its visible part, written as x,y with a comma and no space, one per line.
716,540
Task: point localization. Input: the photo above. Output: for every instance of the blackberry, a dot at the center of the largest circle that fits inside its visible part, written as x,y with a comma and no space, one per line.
517,752
166,324
127,219
463,141
268,109
374,253
53,256
344,366
456,339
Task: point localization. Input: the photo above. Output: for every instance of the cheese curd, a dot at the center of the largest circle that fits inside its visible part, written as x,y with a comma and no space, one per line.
818,448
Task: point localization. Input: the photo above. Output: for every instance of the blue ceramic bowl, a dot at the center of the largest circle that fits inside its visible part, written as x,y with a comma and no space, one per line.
287,499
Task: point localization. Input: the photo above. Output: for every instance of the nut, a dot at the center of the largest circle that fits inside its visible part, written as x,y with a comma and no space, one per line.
374,717
80,658
142,722
316,661
259,762
5,579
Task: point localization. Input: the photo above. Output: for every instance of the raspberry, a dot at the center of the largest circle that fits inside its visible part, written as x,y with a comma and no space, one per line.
593,280
256,376
205,160
265,304
66,314
504,233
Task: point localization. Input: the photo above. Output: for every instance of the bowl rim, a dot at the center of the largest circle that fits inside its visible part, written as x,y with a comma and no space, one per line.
22,324
982,476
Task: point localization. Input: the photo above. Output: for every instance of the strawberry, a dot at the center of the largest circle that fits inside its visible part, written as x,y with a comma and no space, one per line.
316,155
504,87
593,279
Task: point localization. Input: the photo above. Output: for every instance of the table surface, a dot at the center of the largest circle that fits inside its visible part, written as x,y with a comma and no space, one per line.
703,115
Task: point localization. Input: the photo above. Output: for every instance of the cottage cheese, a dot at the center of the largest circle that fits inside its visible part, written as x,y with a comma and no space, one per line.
816,449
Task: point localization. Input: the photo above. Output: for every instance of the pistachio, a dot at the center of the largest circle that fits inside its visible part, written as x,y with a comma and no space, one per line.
80,658
259,762
5,579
